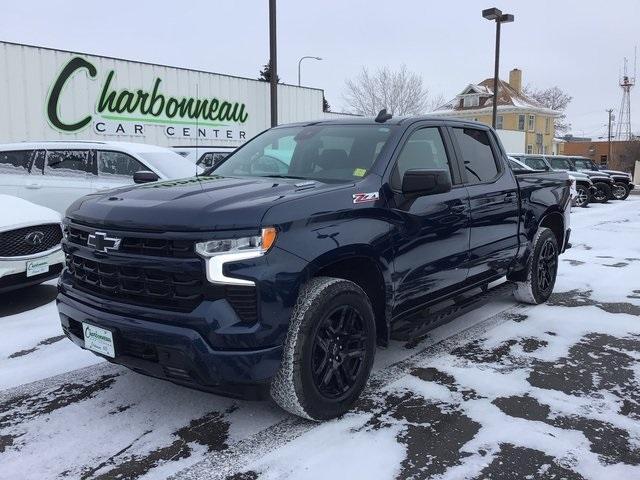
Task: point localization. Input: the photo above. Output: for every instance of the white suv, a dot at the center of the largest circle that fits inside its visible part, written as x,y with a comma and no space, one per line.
30,250
55,174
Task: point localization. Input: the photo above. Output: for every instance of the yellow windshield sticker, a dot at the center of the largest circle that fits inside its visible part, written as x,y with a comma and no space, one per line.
359,172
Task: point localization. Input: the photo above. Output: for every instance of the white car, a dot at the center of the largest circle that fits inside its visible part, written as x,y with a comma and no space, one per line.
55,174
30,237
204,156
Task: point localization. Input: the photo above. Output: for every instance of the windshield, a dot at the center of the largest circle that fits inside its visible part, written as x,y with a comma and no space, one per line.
315,152
560,164
171,165
536,163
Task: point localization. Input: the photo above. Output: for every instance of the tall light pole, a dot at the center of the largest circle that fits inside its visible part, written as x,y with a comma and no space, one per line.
273,63
300,61
500,18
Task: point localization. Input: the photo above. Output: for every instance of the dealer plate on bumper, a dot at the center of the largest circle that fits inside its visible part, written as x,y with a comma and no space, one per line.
37,267
98,340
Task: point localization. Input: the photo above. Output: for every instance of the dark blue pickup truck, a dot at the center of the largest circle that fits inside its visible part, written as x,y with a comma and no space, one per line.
281,270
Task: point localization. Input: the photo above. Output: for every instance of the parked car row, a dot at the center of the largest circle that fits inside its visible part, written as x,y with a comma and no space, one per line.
592,183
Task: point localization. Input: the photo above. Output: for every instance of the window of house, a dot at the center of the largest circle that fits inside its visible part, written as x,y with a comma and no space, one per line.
423,149
532,123
520,122
547,122
479,163
471,101
529,149
603,159
118,164
499,120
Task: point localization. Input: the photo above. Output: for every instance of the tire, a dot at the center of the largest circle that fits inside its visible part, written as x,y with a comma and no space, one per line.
620,191
538,286
311,382
582,199
603,194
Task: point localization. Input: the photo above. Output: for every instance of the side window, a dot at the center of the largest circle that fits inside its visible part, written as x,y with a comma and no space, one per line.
15,162
118,164
479,162
423,149
66,163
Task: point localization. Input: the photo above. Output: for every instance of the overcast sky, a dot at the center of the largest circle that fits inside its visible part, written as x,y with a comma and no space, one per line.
576,45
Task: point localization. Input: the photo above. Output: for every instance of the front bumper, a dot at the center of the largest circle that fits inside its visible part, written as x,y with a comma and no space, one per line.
175,353
13,269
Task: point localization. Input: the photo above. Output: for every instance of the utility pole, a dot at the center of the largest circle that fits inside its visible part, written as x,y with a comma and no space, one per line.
273,63
610,112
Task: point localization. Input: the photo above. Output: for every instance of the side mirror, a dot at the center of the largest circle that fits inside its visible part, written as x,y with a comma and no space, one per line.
426,181
145,176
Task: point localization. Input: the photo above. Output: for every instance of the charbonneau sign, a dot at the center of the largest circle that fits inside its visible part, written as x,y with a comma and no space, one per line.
126,112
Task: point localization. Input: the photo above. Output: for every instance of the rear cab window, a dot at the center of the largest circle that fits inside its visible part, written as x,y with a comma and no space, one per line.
480,164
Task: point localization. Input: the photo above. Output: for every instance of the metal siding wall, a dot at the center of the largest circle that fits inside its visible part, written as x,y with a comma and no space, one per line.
27,73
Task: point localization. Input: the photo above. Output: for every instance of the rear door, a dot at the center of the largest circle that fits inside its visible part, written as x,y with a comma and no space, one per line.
115,169
431,233
59,177
493,200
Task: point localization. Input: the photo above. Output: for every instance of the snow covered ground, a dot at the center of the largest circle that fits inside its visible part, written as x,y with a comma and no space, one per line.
506,391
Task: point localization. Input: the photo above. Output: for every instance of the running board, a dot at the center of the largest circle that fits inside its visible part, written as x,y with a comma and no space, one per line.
431,317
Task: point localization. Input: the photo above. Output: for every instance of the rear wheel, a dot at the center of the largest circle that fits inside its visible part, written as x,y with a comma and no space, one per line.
542,268
328,352
603,193
620,191
582,198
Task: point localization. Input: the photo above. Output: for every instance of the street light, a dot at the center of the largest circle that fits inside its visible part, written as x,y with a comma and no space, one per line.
500,18
300,61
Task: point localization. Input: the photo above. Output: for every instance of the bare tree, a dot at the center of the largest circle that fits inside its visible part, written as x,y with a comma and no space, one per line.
400,92
554,98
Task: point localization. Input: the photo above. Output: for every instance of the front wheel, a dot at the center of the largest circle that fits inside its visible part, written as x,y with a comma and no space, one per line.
603,193
328,352
620,191
582,198
542,267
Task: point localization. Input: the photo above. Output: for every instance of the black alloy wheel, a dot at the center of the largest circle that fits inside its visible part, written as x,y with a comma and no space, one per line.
338,352
547,266
602,193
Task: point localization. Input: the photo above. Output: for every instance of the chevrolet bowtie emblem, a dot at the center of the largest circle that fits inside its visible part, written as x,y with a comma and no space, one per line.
102,243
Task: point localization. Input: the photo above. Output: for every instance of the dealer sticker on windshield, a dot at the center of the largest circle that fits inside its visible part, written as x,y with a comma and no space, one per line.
98,340
365,197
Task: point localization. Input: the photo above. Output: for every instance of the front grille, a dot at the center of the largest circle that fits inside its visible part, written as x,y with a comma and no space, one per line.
159,247
14,243
138,285
244,301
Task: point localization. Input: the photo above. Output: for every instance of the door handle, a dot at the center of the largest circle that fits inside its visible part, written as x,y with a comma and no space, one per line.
458,208
34,185
509,197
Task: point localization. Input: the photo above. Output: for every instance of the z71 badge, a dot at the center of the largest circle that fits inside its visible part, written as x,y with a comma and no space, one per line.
365,197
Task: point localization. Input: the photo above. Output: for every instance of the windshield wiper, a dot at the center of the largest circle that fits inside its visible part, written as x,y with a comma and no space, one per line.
284,176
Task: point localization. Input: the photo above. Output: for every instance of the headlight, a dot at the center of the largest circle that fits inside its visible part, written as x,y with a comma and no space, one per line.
218,252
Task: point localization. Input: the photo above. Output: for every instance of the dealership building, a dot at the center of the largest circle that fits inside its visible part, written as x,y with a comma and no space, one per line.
49,94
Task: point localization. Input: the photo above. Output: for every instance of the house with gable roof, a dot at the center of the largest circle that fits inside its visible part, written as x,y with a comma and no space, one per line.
516,111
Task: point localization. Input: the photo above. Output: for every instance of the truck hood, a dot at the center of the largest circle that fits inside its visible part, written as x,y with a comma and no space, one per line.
615,173
596,175
193,204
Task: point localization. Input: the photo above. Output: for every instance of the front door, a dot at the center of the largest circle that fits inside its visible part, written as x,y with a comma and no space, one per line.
431,233
493,199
